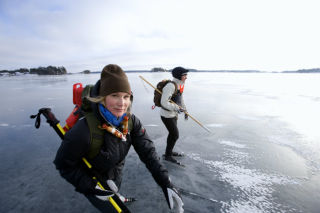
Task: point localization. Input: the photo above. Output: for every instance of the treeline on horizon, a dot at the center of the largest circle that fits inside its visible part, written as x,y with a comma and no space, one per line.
52,70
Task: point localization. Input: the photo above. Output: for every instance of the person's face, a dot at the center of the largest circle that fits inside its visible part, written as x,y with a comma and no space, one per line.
117,103
183,78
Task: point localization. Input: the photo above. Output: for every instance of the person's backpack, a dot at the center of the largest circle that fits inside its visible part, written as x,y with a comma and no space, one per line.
81,104
157,96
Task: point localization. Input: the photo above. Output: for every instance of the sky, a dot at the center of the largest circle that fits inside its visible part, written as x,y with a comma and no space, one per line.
265,35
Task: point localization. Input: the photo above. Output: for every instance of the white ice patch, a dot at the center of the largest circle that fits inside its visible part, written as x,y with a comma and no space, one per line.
313,98
153,125
237,156
16,126
215,125
27,125
248,118
243,207
255,187
233,144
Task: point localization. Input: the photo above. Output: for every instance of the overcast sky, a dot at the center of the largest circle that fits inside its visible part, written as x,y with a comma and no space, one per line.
266,35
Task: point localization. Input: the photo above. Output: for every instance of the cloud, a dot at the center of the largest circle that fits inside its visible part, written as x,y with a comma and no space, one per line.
202,34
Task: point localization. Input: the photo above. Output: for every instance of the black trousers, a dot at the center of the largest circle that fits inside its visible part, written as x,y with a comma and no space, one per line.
171,125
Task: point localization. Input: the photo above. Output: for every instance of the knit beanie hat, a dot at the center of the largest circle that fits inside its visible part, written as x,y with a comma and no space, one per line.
113,79
178,72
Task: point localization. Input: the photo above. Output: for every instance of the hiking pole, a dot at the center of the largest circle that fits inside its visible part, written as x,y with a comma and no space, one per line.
198,122
55,123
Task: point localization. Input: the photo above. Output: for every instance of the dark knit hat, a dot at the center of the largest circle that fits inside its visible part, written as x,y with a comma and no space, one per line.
113,79
178,72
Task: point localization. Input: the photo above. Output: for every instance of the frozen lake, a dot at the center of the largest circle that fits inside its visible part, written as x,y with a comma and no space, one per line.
263,154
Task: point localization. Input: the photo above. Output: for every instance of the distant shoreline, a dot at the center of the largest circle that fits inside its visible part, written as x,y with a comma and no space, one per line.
51,70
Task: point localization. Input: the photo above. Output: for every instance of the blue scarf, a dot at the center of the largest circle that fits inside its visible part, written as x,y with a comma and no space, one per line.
110,117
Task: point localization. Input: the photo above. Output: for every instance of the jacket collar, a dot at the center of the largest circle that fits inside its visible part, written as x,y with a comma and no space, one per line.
177,81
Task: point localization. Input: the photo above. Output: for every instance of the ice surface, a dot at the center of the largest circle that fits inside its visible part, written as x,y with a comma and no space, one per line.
263,155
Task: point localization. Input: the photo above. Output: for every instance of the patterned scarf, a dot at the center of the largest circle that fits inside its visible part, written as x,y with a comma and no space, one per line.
113,121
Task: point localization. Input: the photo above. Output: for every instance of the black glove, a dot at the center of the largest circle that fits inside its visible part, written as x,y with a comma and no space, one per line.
173,198
89,186
186,116
180,110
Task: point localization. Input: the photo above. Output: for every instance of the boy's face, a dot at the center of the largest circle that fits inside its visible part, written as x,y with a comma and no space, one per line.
183,78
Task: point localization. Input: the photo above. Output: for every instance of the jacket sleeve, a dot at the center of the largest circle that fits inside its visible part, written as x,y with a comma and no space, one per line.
69,158
147,153
167,93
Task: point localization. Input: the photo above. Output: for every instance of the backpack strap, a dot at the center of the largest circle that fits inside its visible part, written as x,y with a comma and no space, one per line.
130,124
175,88
174,93
86,104
97,134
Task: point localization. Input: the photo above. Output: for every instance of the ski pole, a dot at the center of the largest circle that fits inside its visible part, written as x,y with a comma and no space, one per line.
55,123
198,122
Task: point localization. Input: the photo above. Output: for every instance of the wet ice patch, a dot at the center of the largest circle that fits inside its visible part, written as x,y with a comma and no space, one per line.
4,124
255,188
308,149
232,144
152,125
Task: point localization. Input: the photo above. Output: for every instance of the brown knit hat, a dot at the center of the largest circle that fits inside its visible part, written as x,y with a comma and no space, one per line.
113,79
